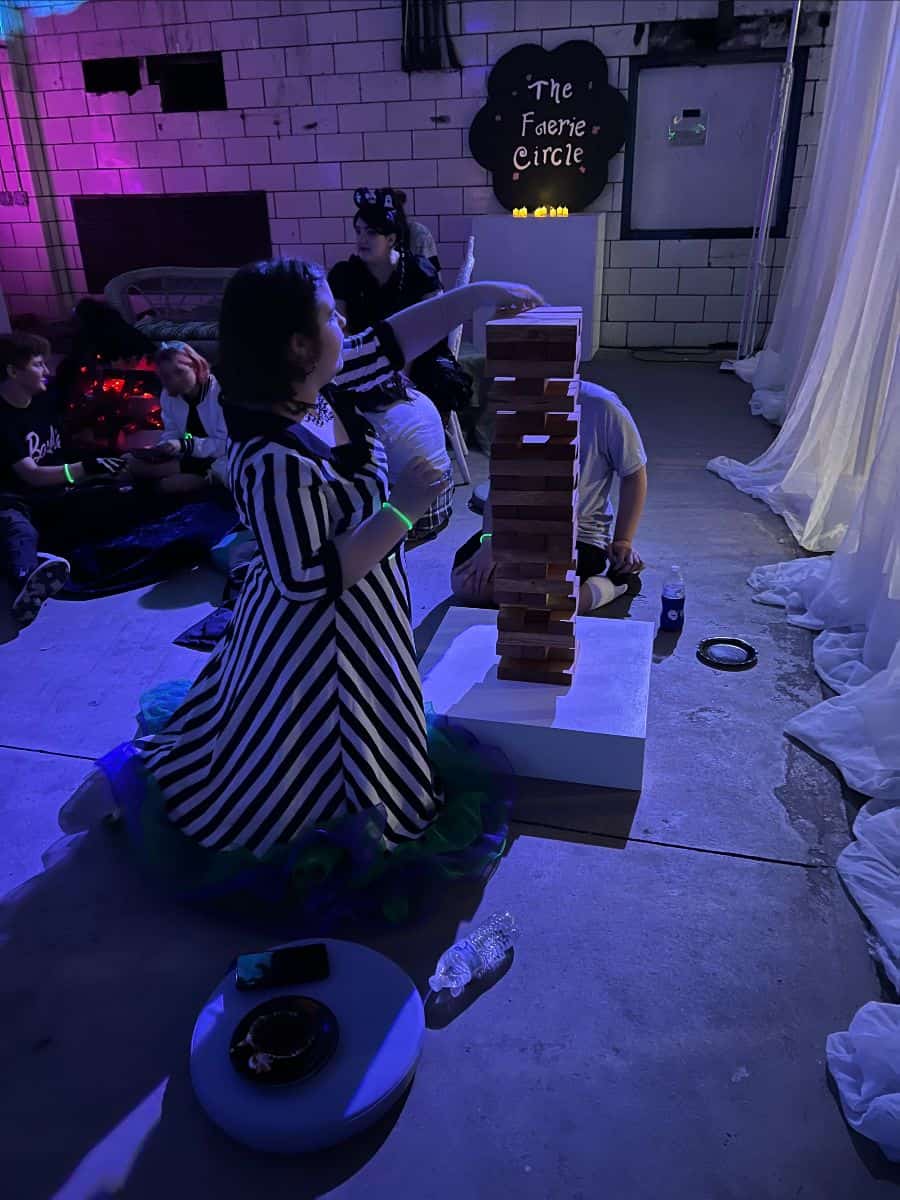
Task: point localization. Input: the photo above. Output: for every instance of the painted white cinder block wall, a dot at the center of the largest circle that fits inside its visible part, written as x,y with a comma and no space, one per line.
318,105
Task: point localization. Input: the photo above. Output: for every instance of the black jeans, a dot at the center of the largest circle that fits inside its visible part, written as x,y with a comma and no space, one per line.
59,519
18,542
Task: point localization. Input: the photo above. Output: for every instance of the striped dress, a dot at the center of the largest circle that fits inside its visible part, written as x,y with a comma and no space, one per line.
311,707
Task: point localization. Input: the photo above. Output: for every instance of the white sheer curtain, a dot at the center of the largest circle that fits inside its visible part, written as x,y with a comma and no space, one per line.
853,597
847,126
833,472
837,318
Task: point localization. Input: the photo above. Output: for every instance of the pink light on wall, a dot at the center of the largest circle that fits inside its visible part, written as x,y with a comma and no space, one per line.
12,18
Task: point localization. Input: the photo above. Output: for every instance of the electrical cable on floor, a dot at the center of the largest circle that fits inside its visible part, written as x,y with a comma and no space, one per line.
700,354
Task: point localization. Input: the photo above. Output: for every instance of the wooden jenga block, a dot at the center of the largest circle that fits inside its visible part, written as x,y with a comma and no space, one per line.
534,654
535,570
539,395
502,596
512,468
509,547
512,641
558,368
519,618
506,579
538,603
531,349
535,323
510,649
509,424
547,321
536,448
551,510
510,386
555,529
534,498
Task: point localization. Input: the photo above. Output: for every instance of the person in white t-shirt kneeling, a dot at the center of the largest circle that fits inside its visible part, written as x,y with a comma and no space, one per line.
608,565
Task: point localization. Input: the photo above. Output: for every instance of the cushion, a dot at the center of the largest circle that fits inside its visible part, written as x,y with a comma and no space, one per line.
179,331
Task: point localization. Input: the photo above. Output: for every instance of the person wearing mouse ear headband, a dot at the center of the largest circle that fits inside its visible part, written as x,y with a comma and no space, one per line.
382,233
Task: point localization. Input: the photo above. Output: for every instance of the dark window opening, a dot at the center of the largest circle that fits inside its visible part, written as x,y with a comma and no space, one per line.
103,75
124,233
188,82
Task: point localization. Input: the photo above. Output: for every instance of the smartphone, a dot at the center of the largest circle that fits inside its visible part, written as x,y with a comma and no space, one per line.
283,967
152,454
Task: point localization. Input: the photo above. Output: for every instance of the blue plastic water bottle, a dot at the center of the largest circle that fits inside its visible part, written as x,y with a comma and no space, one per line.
671,618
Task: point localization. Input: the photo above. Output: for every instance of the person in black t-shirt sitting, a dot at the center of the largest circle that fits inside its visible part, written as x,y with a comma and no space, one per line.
38,485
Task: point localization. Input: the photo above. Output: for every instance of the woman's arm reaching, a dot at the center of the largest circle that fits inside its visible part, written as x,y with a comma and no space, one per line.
418,328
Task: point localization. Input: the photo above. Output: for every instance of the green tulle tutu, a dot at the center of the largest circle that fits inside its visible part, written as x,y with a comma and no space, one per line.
336,870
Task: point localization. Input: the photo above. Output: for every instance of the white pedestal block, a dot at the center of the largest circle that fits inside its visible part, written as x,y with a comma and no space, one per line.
560,257
592,732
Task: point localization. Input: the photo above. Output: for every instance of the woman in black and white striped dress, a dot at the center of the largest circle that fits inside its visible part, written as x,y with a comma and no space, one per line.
310,711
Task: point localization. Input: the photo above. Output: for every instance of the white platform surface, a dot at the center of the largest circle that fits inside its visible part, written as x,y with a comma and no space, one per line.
592,732
562,258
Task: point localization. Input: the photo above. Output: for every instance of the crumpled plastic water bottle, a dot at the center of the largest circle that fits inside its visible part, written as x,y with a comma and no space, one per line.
475,955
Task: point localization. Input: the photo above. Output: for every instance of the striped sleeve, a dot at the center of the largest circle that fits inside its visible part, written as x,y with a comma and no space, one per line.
369,359
288,513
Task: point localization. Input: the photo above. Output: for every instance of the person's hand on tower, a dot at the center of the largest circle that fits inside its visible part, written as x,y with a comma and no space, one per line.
518,297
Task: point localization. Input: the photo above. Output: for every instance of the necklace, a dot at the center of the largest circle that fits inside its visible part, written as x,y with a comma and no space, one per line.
320,413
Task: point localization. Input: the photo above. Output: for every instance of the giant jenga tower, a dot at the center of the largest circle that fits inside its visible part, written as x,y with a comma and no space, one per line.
534,359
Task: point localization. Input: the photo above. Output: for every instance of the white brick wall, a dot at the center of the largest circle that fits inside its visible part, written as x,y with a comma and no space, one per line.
318,105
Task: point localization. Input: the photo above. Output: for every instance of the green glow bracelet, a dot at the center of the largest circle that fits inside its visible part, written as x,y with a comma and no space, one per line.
398,514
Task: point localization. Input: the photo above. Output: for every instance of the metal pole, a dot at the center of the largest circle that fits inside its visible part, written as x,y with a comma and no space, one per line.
752,292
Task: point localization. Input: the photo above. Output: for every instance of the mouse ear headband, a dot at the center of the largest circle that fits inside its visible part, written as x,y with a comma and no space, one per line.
386,200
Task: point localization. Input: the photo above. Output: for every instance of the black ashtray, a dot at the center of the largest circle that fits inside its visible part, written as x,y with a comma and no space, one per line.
285,1040
727,654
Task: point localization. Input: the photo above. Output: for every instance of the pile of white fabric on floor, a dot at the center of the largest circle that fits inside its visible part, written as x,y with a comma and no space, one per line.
865,1064
870,870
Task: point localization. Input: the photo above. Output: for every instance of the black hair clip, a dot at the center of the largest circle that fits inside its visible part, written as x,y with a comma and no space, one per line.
364,196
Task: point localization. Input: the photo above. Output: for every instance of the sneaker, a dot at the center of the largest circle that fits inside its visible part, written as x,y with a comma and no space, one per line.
631,580
44,581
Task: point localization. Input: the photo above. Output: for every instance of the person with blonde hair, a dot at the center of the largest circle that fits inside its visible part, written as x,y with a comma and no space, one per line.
190,454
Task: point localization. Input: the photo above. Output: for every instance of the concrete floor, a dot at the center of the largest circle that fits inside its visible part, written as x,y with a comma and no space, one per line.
683,953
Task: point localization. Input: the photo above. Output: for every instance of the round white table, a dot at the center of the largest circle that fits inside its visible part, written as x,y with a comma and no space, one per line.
381,1030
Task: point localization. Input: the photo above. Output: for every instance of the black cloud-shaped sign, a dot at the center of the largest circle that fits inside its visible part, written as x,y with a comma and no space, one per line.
550,126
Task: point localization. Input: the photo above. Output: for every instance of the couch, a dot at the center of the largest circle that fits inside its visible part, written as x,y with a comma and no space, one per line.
172,303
